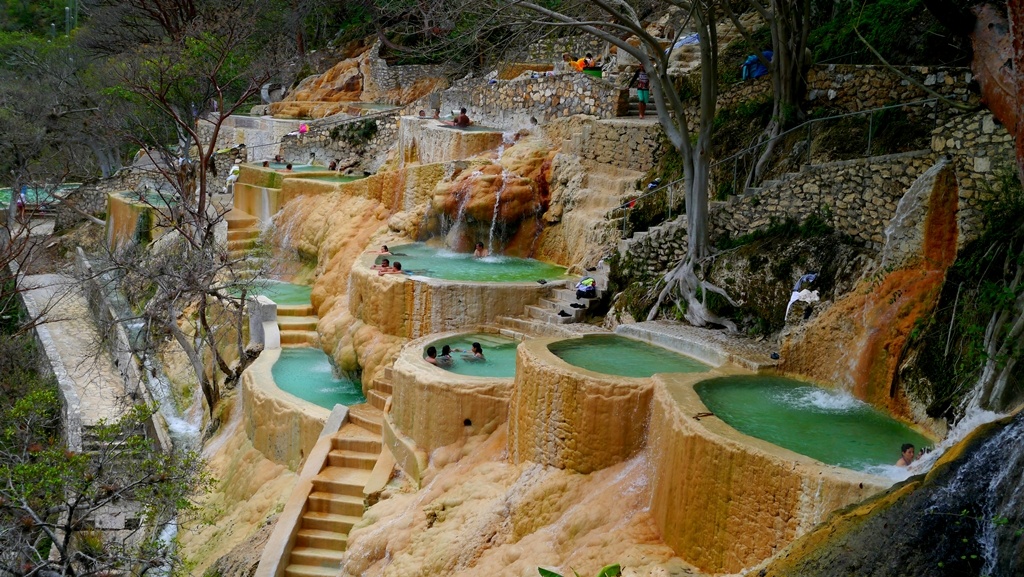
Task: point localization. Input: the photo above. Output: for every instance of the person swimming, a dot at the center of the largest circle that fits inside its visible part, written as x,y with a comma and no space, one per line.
475,354
479,251
906,455
445,359
395,269
431,355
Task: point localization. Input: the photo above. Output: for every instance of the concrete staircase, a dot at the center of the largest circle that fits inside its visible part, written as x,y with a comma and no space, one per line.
297,324
334,505
243,233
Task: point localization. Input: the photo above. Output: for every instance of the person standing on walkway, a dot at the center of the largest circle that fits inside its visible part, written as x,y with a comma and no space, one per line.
643,88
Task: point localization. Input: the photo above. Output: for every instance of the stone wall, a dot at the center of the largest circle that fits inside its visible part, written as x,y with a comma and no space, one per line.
849,87
857,197
524,101
628,143
91,198
393,79
325,142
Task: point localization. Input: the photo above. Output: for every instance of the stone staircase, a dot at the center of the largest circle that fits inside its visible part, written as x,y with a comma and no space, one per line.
544,318
243,233
297,324
335,503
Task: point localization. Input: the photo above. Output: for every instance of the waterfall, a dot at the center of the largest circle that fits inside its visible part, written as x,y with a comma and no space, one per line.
494,216
454,228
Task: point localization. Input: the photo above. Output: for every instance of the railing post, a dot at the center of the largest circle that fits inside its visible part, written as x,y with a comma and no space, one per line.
871,125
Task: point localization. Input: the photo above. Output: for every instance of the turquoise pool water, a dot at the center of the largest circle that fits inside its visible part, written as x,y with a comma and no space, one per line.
308,374
283,293
420,259
296,167
624,357
830,426
499,355
38,195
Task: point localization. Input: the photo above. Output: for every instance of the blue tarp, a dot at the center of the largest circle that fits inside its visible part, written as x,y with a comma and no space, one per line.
753,68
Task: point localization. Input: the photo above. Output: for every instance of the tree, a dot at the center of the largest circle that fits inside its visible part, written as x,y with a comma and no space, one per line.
619,23
54,499
201,62
790,24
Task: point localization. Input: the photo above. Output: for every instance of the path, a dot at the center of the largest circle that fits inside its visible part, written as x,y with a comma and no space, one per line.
73,344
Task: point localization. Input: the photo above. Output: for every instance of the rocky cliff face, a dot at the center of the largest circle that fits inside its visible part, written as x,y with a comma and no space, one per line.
858,344
963,518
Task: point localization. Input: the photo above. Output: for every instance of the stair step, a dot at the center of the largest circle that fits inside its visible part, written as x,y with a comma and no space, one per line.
297,323
367,417
362,444
512,334
352,459
324,502
311,571
321,539
295,310
383,385
299,337
320,521
243,234
244,244
377,399
343,480
316,557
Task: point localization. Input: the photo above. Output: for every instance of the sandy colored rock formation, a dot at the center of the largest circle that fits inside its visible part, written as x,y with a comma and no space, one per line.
724,500
858,343
410,308
481,515
436,407
351,80
248,489
570,418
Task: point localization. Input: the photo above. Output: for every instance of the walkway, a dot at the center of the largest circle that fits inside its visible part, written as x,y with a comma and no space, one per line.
73,344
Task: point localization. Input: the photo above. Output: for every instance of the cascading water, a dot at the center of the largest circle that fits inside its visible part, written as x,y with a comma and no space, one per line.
497,210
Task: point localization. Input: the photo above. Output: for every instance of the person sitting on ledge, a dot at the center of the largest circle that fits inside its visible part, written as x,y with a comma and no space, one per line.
431,355
445,360
395,269
460,121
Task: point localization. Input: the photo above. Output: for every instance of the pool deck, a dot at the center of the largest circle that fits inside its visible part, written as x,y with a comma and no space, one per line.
715,347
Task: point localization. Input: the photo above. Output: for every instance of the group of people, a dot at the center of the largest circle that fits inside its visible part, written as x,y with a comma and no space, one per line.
445,359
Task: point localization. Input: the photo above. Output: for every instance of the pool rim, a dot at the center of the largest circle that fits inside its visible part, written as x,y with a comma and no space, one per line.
607,376
364,263
717,426
414,350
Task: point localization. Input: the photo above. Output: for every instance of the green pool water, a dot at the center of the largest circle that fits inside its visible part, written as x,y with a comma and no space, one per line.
624,357
38,195
308,374
283,293
499,355
830,426
296,167
420,259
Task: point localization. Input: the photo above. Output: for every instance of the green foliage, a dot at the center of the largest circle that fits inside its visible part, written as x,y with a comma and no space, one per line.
902,31
607,571
730,62
356,134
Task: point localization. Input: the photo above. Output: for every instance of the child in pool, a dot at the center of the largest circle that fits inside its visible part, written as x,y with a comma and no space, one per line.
445,360
475,355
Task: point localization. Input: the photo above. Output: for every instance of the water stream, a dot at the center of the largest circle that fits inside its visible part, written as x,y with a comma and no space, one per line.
497,210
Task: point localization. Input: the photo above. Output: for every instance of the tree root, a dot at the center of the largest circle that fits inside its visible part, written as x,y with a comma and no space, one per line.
684,287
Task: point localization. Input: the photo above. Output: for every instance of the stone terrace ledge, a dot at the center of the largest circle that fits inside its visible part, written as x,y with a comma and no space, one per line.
714,347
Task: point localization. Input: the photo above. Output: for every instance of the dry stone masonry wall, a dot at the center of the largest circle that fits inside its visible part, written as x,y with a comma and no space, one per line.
510,104
857,197
627,143
326,141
